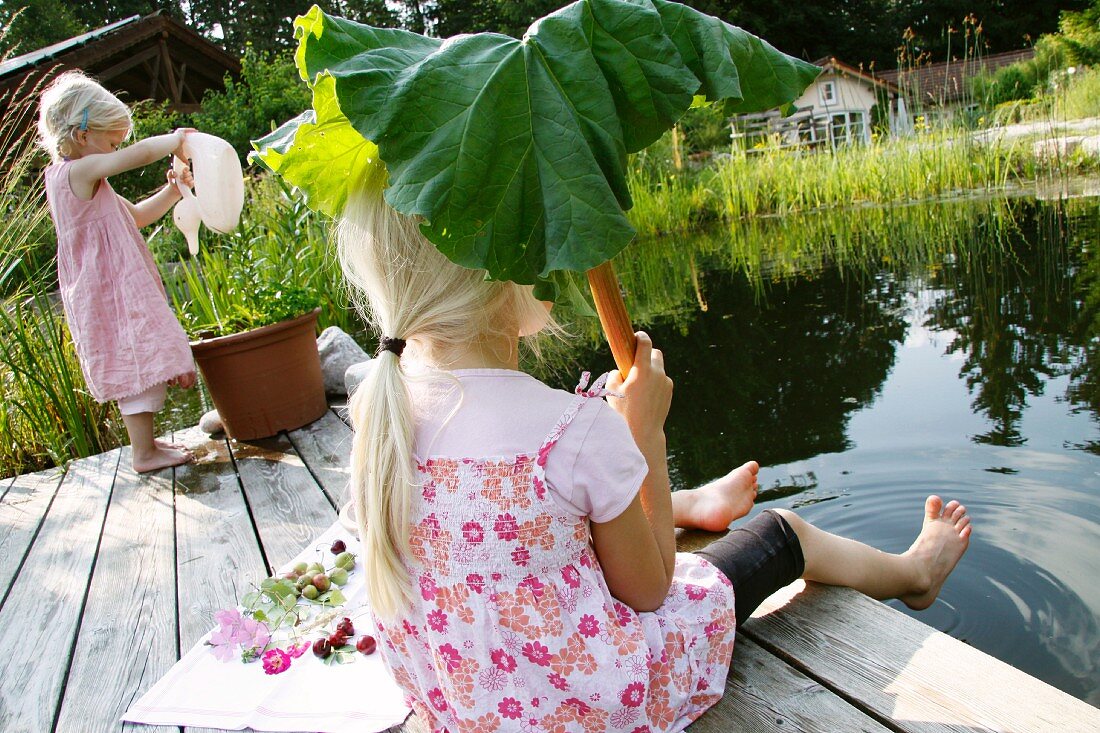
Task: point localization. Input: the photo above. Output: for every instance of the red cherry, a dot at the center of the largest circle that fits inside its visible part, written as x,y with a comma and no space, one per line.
366,644
337,640
337,547
322,648
346,628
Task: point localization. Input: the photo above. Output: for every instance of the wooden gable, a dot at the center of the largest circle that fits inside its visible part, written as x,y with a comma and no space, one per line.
153,57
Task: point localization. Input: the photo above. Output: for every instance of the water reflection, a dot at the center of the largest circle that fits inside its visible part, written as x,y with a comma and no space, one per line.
865,356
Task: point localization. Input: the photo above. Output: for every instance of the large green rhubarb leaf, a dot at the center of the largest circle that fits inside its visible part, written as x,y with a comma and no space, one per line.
514,151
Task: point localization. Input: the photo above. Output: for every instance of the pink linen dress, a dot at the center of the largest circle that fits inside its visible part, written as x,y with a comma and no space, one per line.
513,627
127,337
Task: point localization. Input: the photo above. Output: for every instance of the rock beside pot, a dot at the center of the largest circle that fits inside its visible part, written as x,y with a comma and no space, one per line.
338,351
355,374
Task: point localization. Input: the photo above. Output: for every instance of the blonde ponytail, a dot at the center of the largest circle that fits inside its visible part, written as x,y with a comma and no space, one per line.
407,290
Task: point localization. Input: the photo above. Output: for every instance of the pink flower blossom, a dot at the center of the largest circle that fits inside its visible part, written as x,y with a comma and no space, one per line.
557,680
427,587
540,487
451,657
695,592
436,698
475,582
588,626
533,584
521,556
536,653
473,533
506,527
581,706
503,659
622,613
437,620
633,695
571,576
276,661
510,707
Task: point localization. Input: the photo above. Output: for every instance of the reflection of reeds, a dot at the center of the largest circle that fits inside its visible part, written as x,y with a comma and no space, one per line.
661,275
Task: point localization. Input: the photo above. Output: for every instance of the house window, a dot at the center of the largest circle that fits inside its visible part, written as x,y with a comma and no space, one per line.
828,92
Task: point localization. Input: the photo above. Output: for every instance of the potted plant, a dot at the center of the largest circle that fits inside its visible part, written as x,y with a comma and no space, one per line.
254,324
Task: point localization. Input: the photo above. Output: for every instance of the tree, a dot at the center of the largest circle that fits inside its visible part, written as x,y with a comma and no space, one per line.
32,24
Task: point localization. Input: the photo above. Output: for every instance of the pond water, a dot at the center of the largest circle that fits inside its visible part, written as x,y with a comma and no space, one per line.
869,357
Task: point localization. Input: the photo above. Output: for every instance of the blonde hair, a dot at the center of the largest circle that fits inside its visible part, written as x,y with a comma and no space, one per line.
61,112
407,289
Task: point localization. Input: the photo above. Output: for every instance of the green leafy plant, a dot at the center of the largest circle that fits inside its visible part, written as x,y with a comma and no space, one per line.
514,151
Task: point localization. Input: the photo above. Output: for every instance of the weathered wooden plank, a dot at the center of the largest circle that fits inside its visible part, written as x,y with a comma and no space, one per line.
43,610
21,513
325,447
288,507
897,668
763,693
217,552
5,484
129,621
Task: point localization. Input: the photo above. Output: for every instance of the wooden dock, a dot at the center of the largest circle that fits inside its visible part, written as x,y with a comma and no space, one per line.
105,577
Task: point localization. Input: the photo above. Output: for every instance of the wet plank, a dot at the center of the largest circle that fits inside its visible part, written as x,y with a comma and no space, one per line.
22,510
129,621
288,506
763,694
325,447
898,669
218,554
43,609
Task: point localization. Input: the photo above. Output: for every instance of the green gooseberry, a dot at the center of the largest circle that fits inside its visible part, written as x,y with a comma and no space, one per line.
310,592
339,576
345,560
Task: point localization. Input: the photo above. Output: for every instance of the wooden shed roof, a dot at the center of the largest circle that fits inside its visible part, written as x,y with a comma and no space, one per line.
948,82
153,57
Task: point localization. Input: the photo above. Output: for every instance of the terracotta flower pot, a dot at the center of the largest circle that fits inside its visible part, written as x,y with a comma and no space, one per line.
265,380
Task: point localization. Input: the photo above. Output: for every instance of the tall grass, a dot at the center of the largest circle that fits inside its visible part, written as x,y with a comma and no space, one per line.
48,416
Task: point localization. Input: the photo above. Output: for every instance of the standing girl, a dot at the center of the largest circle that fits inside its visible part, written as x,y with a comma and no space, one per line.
130,344
518,540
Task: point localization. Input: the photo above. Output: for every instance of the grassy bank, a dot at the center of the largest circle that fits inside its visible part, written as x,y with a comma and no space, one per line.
772,181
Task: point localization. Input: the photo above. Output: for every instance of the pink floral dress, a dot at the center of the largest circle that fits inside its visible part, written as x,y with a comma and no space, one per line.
514,627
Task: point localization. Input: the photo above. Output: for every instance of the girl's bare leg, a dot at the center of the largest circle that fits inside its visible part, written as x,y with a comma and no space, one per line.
915,576
147,453
715,505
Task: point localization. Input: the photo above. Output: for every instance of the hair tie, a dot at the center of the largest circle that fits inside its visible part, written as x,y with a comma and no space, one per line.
389,343
84,120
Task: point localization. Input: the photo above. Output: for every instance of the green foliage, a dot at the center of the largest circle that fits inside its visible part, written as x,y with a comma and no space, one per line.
32,24
268,93
705,128
275,266
496,142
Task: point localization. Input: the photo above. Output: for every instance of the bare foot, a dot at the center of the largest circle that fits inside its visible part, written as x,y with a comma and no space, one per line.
161,458
937,549
716,505
165,445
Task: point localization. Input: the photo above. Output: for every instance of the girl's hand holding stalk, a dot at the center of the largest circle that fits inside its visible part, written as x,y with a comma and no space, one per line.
637,549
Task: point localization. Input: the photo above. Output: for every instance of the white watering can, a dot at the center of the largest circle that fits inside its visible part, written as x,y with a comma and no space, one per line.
219,188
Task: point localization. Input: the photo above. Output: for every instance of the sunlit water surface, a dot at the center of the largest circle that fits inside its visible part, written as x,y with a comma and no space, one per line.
870,357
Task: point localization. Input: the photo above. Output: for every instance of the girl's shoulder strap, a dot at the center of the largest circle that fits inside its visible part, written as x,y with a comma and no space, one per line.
584,393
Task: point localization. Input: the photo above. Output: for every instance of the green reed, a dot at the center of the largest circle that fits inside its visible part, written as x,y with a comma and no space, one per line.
49,416
279,246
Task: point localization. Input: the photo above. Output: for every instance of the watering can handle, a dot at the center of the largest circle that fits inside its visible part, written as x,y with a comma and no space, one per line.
613,316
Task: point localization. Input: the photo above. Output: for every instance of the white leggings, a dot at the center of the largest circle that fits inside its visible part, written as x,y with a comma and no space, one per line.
151,400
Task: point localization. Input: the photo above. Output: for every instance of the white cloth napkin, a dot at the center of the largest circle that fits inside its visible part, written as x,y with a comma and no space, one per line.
200,690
